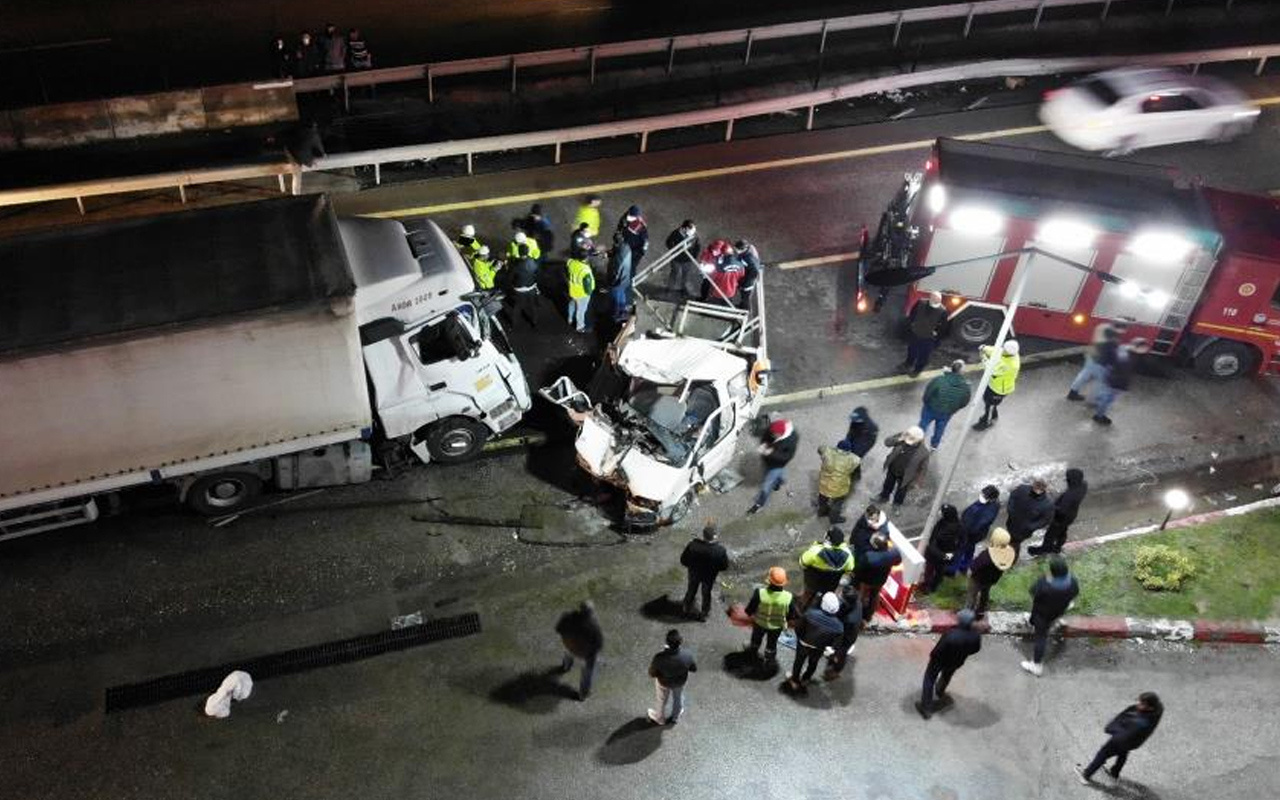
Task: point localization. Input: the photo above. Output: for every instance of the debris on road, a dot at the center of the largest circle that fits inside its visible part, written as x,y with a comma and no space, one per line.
236,686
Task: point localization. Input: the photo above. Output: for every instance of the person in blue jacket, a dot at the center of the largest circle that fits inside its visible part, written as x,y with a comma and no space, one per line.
975,523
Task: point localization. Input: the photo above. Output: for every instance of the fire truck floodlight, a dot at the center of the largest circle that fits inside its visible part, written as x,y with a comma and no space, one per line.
1066,233
1160,246
1157,299
937,198
977,220
1130,289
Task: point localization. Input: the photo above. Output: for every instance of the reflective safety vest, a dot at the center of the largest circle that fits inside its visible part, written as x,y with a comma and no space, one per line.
582,281
1005,374
484,271
535,252
771,613
591,216
812,558
469,248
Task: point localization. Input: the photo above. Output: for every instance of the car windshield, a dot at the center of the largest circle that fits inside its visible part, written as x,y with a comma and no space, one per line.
1099,90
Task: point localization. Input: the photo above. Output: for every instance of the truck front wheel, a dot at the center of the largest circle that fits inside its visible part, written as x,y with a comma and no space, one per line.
1225,359
456,439
224,493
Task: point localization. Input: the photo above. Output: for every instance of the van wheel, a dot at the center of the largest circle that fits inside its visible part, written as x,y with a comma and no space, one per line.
681,509
223,493
976,326
1224,359
456,439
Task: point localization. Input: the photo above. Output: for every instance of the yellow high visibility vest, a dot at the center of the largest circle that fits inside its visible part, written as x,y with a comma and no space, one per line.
581,279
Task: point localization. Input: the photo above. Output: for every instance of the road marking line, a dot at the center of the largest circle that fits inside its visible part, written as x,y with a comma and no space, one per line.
818,261
702,174
898,380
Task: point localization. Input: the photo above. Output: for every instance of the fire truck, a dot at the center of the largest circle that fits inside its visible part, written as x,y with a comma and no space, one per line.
1194,270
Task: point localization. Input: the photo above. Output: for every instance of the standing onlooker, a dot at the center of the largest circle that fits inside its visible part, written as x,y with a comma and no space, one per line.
620,271
868,524
819,628
926,325
905,465
975,522
987,569
835,479
941,548
777,450
1003,379
944,396
1128,731
307,58
581,245
687,260
281,58
825,564
537,226
589,212
582,283
524,288
334,47
863,431
752,270
948,655
1030,509
1050,598
358,55
636,233
770,608
1065,509
580,632
873,570
851,618
1119,377
704,559
1101,355
670,672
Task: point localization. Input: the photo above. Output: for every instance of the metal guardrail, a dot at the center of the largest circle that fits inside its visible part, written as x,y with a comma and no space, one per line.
809,101
641,127
746,37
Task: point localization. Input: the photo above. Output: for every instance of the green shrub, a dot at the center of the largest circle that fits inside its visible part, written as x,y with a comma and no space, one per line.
1161,568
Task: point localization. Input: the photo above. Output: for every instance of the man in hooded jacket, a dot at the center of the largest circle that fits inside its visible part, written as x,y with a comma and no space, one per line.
863,432
948,655
1065,509
1128,730
1051,596
825,564
1030,509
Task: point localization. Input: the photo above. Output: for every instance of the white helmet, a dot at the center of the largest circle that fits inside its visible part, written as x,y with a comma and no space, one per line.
484,250
1011,347
468,230
520,237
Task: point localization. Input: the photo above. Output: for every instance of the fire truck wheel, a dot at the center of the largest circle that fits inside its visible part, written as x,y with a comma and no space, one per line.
1224,359
976,326
456,439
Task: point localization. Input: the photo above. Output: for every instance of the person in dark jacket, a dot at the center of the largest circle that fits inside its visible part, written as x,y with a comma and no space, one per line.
941,548
987,569
905,465
943,397
1030,509
752,269
871,522
281,58
635,233
926,325
525,302
686,263
620,272
863,432
536,225
333,48
358,54
307,58
704,559
819,628
948,655
1129,730
580,632
872,572
670,672
1118,379
777,449
1050,598
975,522
851,618
1065,509
1101,355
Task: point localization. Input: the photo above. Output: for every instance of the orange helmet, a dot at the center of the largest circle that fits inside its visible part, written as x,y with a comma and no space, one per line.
777,576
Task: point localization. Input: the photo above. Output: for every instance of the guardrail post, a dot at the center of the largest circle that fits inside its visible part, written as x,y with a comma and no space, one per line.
897,29
593,66
728,131
280,183
295,181
1039,11
1262,64
469,163
822,39
377,174
513,74
751,37
808,123
1106,6
346,94
671,54
557,152
968,21
431,85
644,141
1168,9
80,205
1195,69
182,193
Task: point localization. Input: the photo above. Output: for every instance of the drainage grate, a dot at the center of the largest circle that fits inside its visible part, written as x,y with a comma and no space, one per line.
204,681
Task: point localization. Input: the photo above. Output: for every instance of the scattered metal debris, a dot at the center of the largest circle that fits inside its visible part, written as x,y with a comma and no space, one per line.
405,620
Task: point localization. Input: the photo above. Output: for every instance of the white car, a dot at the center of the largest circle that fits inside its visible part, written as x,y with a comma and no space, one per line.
1122,110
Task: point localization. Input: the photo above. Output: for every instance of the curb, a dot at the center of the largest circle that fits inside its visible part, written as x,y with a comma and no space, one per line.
1009,623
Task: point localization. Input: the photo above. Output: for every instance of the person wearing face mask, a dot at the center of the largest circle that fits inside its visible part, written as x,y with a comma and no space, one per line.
926,325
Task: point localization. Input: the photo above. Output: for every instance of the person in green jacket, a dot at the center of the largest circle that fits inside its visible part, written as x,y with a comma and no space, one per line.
1003,379
944,396
835,479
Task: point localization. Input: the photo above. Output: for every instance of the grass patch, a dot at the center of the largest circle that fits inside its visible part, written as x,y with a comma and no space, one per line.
1237,562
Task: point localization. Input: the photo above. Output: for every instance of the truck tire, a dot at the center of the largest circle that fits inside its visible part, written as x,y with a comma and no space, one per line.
1223,360
976,326
223,493
456,439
